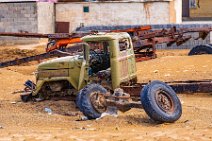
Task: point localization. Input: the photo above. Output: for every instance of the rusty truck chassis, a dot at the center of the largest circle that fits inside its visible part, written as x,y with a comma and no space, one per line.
128,97
143,37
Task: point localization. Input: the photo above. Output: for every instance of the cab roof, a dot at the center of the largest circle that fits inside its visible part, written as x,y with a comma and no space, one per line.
102,36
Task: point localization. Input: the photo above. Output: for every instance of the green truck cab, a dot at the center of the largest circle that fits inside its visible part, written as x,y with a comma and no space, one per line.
103,74
111,53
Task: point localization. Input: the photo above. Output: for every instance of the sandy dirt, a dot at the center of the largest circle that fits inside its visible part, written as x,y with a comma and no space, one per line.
29,122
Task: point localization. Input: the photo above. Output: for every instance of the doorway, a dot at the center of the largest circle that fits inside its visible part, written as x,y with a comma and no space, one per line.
62,27
185,8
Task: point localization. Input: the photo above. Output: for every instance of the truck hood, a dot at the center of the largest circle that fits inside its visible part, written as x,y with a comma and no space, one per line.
62,63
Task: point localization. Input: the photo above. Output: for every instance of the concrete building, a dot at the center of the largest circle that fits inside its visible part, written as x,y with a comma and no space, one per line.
70,15
67,15
25,16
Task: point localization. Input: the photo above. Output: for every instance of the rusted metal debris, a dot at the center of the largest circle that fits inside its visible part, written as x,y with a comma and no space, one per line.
49,36
25,35
144,40
39,57
180,87
203,86
124,102
125,98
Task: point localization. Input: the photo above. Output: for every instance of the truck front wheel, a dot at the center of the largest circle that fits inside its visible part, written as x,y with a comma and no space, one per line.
91,101
160,102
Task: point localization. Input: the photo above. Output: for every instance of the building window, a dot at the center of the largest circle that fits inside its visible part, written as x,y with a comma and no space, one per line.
85,9
192,3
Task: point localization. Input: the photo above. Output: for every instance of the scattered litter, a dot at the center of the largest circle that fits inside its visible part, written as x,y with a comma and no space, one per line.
186,121
87,129
82,118
17,92
13,102
48,110
156,71
117,128
111,111
82,128
39,99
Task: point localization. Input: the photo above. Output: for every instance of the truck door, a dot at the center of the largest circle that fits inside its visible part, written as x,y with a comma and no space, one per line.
126,60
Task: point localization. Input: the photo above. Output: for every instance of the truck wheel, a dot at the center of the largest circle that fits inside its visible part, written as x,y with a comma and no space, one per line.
201,49
26,98
93,101
78,100
160,102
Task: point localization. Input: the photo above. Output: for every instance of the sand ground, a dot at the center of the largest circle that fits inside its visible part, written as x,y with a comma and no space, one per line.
29,122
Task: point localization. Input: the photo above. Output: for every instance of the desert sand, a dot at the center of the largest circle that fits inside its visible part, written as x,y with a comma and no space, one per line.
29,122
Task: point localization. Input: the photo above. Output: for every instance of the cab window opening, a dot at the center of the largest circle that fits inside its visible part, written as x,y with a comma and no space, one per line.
99,56
124,44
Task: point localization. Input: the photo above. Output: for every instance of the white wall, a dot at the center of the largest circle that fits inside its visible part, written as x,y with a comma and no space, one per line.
178,8
113,13
46,17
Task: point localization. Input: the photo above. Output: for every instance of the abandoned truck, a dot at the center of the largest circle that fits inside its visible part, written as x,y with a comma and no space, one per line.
103,75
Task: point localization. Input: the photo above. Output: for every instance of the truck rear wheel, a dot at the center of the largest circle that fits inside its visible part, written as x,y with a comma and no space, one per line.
91,101
201,49
160,102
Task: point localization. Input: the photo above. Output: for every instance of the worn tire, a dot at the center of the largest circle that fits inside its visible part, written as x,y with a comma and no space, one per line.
201,49
153,107
85,103
78,100
26,98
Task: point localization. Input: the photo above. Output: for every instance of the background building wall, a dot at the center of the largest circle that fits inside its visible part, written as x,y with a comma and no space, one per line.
178,11
18,17
114,13
46,17
203,9
32,17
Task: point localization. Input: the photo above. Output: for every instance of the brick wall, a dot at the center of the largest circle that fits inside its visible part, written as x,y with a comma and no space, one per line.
17,17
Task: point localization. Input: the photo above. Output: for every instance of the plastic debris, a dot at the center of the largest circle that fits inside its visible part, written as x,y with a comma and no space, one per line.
156,71
111,111
48,110
83,118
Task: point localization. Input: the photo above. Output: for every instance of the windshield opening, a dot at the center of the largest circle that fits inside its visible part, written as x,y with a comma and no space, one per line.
99,56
